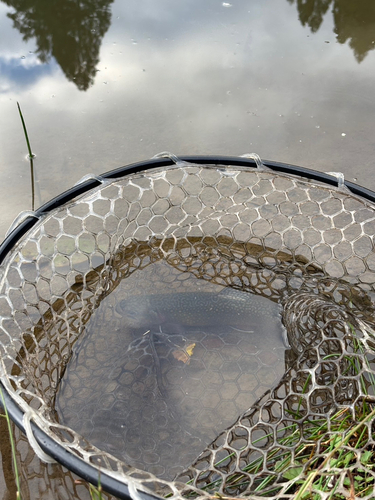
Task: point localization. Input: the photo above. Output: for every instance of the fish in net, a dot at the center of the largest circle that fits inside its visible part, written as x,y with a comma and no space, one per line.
301,245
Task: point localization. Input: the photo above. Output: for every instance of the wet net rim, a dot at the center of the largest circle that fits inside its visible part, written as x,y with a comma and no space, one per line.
85,186
85,470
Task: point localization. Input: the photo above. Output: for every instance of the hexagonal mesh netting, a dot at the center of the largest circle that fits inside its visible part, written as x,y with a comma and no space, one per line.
114,340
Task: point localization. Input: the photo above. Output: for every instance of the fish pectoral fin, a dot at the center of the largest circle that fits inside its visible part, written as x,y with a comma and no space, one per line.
243,331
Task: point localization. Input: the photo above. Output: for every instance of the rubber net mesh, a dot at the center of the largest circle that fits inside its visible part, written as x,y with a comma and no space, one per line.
302,245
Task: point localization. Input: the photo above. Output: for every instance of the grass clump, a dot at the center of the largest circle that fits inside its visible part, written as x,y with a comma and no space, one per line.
339,441
96,492
318,457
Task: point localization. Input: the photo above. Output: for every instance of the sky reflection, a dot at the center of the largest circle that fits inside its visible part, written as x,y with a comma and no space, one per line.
22,73
194,78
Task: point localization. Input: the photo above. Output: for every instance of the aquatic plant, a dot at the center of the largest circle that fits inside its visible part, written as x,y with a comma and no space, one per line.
96,492
31,157
13,448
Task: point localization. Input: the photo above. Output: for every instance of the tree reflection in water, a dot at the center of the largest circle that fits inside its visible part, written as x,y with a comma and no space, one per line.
71,31
353,21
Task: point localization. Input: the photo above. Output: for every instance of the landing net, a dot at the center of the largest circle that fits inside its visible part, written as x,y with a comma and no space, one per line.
301,243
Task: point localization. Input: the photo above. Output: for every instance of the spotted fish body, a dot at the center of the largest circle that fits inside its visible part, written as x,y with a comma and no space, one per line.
237,309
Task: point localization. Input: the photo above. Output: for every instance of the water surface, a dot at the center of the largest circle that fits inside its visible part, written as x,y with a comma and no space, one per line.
102,84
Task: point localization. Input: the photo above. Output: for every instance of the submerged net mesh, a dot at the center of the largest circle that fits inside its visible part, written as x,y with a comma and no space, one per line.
302,245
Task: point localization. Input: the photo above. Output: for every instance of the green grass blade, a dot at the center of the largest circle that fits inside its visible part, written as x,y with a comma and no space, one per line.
12,446
31,155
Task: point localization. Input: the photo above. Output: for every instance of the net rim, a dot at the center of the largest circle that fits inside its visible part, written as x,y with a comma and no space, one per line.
62,455
82,188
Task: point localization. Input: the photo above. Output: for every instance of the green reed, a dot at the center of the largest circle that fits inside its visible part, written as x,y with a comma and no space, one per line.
31,158
96,492
12,445
31,155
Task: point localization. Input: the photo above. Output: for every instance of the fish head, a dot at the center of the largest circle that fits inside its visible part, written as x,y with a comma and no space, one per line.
138,313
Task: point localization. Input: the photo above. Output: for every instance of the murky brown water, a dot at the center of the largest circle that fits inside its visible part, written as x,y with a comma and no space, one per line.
102,84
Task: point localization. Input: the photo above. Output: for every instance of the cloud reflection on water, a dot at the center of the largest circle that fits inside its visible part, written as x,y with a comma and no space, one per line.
71,31
22,73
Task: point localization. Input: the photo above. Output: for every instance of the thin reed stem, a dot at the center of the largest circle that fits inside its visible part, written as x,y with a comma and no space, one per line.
31,155
12,445
31,158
